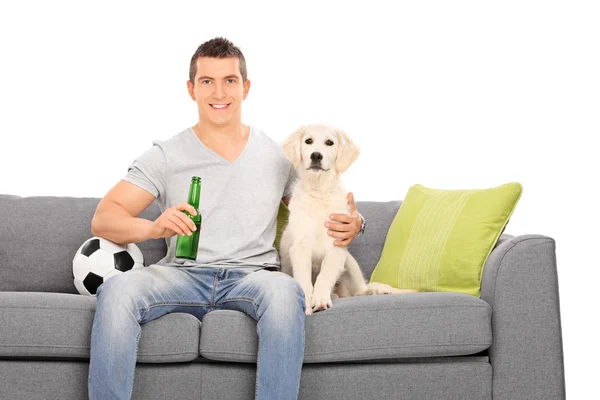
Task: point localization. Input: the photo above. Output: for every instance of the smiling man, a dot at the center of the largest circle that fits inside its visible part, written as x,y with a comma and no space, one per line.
244,177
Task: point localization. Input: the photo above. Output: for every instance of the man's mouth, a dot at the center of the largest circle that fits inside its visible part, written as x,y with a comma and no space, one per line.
220,106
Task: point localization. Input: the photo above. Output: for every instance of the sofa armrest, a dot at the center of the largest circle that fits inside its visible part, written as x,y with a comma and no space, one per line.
520,283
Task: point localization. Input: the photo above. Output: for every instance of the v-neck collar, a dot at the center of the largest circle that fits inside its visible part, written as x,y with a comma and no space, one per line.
217,156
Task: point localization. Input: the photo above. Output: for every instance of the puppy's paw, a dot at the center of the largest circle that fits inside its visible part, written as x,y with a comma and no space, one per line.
321,303
309,310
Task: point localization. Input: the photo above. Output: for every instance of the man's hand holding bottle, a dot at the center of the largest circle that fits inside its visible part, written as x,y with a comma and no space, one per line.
174,222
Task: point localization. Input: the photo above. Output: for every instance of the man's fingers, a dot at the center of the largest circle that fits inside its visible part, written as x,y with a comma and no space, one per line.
175,224
187,207
174,227
187,221
351,205
183,222
344,218
339,227
340,234
183,217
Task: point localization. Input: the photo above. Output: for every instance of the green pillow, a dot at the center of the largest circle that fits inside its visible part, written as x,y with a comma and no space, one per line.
282,219
440,239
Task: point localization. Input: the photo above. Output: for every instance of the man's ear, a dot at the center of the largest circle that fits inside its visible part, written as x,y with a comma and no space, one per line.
291,146
246,89
347,151
190,87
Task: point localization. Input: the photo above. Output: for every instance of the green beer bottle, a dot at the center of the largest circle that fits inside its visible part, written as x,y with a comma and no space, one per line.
187,246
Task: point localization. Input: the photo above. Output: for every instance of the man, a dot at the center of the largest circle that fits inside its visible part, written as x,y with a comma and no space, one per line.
244,177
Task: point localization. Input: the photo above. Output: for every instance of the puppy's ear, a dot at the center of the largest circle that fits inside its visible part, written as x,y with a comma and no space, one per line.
291,146
347,151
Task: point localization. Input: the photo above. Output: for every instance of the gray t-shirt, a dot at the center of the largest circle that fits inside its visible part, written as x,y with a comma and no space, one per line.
239,200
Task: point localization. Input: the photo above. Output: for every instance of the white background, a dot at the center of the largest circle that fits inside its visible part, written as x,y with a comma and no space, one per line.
460,94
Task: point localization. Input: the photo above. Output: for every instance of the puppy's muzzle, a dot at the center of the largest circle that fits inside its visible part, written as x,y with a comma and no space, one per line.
316,157
315,160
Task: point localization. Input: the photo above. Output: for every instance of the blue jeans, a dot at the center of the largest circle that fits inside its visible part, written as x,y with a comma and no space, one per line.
274,299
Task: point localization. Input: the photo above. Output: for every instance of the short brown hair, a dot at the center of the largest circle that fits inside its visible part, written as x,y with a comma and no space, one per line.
218,48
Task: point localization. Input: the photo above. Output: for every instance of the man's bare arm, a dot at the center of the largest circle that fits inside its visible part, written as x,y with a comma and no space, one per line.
116,215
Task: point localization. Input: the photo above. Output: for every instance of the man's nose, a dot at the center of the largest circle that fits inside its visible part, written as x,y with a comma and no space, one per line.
219,93
316,156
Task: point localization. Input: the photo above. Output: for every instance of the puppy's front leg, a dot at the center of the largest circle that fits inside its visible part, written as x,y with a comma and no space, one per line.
300,257
331,269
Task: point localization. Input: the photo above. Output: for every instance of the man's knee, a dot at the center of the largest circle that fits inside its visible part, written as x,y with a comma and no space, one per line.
122,287
284,291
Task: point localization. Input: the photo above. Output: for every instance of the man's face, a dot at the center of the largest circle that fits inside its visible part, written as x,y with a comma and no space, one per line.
218,89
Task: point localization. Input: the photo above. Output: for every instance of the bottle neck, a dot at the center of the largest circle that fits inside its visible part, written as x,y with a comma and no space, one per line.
194,198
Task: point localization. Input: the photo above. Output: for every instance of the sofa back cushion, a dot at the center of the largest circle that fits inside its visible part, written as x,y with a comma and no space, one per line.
39,237
367,248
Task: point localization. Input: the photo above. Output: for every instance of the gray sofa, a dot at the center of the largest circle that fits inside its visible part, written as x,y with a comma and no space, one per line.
505,345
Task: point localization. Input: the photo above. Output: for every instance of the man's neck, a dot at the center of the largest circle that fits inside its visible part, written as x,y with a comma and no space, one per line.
221,134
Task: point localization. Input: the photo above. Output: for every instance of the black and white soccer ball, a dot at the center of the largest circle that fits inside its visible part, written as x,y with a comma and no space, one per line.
99,259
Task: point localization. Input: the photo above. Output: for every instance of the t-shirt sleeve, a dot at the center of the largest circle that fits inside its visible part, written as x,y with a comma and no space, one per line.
149,171
292,179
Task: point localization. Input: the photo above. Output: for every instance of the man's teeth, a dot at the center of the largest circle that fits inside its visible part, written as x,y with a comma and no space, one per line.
219,105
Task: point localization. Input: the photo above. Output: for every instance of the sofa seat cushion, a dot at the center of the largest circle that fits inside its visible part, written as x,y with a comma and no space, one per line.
59,325
366,328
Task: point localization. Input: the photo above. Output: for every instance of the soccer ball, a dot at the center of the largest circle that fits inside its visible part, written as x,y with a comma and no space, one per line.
98,259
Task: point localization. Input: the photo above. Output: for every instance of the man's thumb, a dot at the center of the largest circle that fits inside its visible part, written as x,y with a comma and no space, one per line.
351,205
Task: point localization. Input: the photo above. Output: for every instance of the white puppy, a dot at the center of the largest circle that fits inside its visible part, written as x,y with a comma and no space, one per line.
320,153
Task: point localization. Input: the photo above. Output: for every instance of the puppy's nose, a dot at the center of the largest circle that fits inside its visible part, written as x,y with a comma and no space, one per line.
316,156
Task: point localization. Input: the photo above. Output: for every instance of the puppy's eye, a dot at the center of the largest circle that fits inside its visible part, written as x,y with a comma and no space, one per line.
308,141
329,142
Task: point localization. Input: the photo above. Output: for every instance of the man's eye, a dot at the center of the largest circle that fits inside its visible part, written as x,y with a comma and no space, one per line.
206,81
231,80
329,142
308,141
